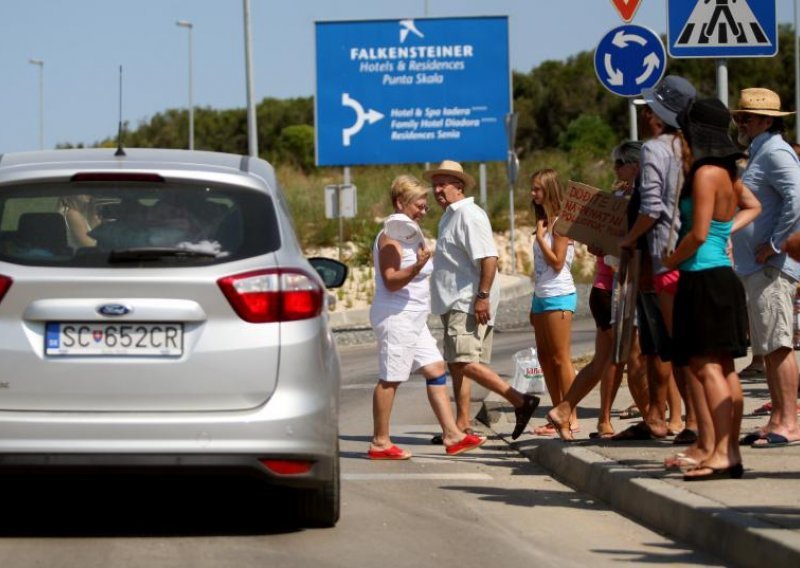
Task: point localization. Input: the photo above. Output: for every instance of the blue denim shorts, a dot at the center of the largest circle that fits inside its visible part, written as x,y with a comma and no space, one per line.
566,303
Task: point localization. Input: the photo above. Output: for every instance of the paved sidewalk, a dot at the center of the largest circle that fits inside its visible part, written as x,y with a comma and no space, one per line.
753,521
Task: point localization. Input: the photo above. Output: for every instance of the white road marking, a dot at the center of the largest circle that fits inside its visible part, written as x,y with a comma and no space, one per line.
416,476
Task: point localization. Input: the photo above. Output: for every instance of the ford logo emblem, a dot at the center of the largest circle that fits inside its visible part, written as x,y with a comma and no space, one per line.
113,310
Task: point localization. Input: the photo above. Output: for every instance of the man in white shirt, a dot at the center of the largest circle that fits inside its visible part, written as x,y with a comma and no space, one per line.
465,294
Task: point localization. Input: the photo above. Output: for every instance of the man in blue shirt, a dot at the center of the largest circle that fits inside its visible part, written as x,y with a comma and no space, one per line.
769,275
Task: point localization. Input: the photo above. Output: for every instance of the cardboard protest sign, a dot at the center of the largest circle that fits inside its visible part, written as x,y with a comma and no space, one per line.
593,217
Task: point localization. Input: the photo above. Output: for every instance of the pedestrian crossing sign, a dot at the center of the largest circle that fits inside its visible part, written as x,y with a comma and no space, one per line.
722,28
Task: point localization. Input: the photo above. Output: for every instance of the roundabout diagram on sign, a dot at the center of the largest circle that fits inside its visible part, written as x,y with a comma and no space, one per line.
628,59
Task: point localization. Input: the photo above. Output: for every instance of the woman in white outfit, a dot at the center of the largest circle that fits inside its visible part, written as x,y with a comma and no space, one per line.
399,315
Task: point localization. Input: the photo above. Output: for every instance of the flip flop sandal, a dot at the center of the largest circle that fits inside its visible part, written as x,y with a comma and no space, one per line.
470,442
393,453
547,430
748,439
638,431
600,435
685,437
630,413
773,440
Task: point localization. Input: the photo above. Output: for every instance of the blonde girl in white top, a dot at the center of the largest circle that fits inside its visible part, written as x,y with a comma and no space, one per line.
554,297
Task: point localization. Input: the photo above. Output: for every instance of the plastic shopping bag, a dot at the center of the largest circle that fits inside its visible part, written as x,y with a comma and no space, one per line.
528,376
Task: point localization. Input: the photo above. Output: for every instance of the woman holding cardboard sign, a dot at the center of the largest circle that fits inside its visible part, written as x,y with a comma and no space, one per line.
554,295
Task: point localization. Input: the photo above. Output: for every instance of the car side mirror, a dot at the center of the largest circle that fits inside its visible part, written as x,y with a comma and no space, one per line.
332,272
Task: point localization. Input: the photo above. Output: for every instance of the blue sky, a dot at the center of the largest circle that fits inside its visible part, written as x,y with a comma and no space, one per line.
83,43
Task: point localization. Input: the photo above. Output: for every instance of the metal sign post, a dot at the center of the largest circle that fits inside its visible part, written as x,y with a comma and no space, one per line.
512,170
341,202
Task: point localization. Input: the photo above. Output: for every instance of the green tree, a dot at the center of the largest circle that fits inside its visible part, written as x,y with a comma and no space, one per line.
589,134
295,146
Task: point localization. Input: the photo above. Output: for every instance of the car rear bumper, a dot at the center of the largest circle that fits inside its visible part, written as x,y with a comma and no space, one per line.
292,425
242,465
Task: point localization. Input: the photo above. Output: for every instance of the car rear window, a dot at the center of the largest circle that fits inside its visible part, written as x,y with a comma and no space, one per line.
147,224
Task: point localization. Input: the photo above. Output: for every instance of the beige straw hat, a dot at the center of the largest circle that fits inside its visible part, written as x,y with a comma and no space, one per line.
760,101
451,168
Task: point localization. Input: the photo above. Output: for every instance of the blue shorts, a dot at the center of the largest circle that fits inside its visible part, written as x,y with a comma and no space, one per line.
566,303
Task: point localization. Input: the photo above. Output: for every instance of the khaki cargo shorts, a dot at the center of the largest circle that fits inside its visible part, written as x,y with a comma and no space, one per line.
465,340
770,309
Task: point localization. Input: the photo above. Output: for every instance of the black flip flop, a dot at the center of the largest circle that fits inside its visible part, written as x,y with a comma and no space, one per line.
639,431
685,437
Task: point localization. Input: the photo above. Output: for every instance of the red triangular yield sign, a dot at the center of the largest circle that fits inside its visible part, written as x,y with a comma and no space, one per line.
626,8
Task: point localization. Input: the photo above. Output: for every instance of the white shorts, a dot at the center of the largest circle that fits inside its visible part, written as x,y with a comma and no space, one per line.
404,343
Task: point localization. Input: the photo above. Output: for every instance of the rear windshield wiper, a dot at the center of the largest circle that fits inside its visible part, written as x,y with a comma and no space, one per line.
156,253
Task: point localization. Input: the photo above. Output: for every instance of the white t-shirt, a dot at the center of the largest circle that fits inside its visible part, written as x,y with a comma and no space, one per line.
465,237
549,283
414,296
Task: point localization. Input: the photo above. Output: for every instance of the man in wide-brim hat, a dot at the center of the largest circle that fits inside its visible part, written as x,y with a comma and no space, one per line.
465,293
769,275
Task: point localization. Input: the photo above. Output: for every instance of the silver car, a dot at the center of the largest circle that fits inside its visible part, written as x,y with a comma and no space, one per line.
156,311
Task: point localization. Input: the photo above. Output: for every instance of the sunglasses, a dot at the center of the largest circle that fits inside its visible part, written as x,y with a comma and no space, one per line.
744,119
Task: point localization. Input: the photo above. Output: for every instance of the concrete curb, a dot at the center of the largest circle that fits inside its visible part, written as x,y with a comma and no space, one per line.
738,538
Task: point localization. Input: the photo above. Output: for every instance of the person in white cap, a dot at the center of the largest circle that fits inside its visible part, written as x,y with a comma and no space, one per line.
769,274
466,294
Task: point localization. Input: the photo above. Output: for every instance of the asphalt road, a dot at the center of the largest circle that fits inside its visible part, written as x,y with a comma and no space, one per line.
488,508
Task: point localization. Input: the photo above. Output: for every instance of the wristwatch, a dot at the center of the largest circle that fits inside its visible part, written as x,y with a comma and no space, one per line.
482,295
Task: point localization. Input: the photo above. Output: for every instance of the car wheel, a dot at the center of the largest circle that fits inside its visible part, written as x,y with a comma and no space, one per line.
319,507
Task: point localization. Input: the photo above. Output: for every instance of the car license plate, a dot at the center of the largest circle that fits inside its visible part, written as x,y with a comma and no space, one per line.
114,339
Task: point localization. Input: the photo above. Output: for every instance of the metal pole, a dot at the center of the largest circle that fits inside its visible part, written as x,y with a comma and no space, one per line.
189,26
252,132
633,120
482,178
40,64
511,227
722,80
191,84
346,176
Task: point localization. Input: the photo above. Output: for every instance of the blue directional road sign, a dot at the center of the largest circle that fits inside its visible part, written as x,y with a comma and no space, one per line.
400,91
722,28
628,59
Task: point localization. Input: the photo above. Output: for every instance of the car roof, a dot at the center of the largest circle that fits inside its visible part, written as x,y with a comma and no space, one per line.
63,163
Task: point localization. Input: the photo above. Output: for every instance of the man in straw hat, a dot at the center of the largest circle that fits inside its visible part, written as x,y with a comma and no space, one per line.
466,294
768,274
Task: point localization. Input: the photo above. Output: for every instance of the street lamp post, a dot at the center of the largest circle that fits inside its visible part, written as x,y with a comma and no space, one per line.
40,64
252,127
188,25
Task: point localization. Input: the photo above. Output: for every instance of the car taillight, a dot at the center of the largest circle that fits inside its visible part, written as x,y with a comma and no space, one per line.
5,284
288,467
117,176
273,295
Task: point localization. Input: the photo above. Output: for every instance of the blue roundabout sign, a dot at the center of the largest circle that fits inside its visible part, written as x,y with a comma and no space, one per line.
628,59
